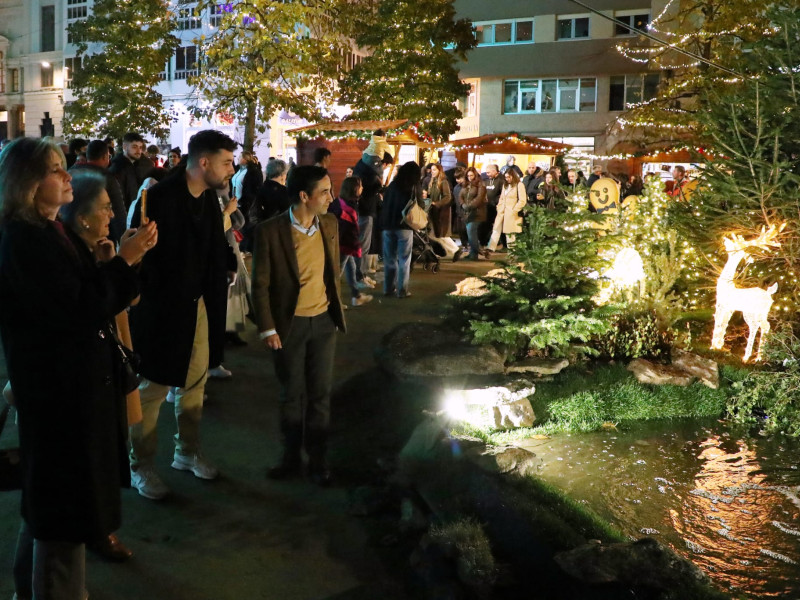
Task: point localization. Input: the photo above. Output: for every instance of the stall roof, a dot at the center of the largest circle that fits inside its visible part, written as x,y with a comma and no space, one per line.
351,126
510,143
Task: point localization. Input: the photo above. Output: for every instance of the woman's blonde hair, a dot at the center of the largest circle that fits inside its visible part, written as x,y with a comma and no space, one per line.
23,165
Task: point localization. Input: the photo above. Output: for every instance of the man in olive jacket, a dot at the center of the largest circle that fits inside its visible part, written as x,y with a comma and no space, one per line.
178,327
298,310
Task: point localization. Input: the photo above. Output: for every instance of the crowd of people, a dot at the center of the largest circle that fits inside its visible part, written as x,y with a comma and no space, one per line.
104,252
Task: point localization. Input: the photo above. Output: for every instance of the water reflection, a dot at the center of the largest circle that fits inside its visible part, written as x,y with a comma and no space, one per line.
731,505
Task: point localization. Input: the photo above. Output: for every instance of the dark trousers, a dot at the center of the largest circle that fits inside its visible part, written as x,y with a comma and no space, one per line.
305,370
48,570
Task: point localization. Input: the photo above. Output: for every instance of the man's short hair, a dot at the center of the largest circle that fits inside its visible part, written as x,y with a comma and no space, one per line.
276,168
495,167
96,150
132,136
304,179
76,144
681,169
153,149
208,142
321,154
174,151
597,168
387,159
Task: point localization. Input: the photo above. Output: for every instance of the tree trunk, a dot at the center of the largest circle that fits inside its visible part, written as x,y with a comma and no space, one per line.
249,127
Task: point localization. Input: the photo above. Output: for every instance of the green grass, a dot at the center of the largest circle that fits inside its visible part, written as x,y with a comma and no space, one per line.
589,397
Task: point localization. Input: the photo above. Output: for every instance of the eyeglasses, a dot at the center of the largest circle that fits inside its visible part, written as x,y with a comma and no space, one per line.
106,208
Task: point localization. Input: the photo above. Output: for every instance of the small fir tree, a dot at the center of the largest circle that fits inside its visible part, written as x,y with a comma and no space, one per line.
411,72
750,176
124,46
543,304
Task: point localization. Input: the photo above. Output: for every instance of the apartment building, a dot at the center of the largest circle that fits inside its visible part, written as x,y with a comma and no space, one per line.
551,69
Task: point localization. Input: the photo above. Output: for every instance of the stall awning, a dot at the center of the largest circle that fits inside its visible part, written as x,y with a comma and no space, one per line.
509,143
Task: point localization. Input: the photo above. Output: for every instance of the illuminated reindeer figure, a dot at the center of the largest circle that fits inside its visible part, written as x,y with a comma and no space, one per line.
753,302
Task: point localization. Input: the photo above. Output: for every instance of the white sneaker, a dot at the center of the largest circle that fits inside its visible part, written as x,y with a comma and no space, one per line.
219,372
364,284
361,300
148,483
370,281
196,464
171,395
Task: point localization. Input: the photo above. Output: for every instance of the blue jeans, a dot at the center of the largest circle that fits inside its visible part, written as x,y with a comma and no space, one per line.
365,237
396,260
349,269
472,236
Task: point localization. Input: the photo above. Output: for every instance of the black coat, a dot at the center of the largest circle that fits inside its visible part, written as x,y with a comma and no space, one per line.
163,323
394,202
55,309
370,199
251,184
130,175
272,199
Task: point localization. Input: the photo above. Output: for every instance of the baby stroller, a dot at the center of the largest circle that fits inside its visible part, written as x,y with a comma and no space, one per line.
428,250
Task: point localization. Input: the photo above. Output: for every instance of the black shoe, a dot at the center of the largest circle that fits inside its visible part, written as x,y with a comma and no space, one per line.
403,294
457,255
285,470
233,338
391,293
320,476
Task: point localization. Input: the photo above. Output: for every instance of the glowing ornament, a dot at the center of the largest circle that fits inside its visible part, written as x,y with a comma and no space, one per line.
627,270
604,196
755,303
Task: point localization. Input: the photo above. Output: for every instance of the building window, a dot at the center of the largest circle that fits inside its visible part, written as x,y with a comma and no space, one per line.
549,95
48,29
185,62
632,21
13,75
573,28
215,13
189,19
71,66
468,104
76,11
47,75
627,90
495,33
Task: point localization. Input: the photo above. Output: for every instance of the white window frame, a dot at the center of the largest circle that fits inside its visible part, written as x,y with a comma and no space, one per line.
187,18
572,18
186,71
557,99
73,5
631,13
70,68
513,23
626,104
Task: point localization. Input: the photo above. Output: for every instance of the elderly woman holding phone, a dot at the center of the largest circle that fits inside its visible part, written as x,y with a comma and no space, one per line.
59,291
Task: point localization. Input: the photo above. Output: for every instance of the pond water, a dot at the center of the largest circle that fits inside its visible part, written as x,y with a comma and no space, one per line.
731,504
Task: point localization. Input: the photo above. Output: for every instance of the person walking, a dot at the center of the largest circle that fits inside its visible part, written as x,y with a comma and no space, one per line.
298,311
397,236
513,199
473,199
178,327
344,208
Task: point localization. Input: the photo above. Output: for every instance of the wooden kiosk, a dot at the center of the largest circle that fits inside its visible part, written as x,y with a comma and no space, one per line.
347,140
509,144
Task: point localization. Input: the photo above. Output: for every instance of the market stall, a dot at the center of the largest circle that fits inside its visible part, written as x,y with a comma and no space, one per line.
495,148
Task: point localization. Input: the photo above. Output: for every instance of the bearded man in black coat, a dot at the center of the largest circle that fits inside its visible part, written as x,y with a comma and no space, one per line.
178,327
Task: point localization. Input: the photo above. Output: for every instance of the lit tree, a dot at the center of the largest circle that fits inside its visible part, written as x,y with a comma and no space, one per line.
750,176
411,72
269,55
718,31
124,45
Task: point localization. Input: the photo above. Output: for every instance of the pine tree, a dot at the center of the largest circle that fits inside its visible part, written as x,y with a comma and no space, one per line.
269,55
411,72
718,31
750,175
544,302
124,45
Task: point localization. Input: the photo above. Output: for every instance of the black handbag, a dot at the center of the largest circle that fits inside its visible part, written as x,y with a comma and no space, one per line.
10,467
130,362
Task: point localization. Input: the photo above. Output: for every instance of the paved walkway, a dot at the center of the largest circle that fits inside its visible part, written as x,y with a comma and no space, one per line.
243,537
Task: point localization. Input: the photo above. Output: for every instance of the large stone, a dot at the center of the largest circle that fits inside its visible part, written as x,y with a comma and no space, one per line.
705,369
425,350
644,563
657,374
540,366
476,286
504,459
496,407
